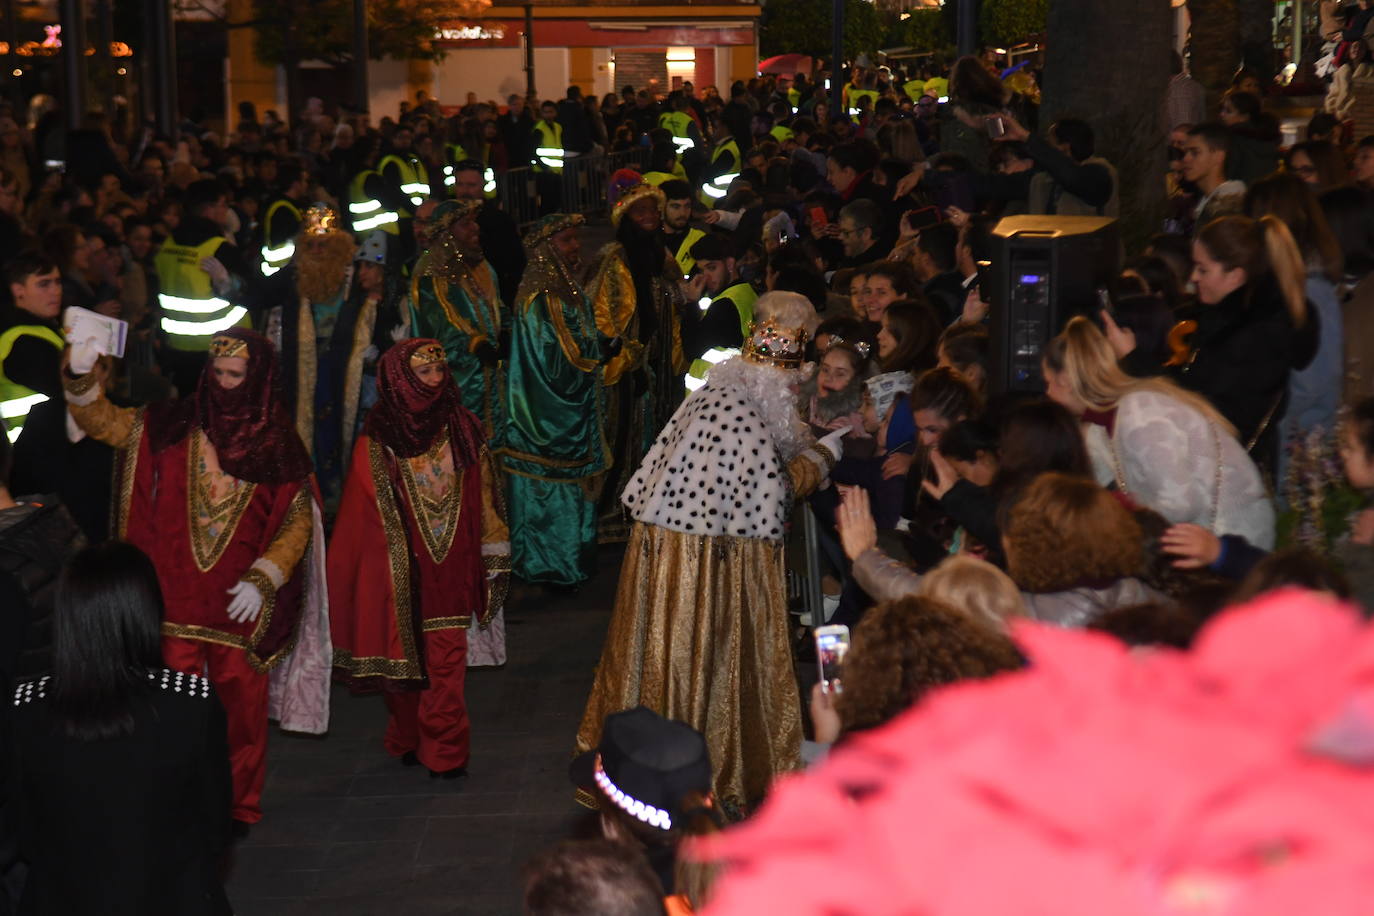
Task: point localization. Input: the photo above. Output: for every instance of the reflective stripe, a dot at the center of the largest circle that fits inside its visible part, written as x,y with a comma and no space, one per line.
14,432
269,269
694,383
718,187
490,178
372,222
274,259
549,151
448,171
415,187
718,355
191,306
19,407
449,180
366,206
704,302
204,328
683,143
551,163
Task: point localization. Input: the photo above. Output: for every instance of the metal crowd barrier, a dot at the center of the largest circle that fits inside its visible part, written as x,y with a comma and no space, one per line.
581,186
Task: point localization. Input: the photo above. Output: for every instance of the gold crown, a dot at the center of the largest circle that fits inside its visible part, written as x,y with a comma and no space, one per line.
773,345
429,353
632,196
320,220
228,346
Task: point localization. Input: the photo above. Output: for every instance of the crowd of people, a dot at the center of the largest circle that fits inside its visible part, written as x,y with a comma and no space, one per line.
356,400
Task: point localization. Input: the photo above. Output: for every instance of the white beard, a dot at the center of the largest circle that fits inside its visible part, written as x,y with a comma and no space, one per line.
770,391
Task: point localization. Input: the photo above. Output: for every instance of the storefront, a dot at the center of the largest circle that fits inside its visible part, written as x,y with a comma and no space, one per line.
597,48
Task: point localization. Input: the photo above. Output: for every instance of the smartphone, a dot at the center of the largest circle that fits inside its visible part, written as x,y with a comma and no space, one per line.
997,128
916,220
818,218
832,642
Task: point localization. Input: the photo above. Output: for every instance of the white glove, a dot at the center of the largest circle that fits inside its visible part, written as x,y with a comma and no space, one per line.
219,274
83,356
834,441
246,603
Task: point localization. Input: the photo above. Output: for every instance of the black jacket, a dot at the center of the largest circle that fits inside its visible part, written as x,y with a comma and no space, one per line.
36,538
1243,350
502,246
131,826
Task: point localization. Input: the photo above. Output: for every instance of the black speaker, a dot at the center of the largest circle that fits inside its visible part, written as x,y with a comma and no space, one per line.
1044,270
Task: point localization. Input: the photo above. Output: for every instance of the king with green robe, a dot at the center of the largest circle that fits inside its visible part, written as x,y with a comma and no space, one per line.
555,451
454,298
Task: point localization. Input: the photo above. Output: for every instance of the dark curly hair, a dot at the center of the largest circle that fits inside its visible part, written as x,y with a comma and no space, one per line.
904,648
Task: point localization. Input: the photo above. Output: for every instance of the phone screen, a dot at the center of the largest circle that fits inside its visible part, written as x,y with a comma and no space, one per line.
832,642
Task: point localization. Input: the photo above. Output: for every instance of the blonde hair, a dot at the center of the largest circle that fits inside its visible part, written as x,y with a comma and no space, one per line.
1258,247
1081,352
976,587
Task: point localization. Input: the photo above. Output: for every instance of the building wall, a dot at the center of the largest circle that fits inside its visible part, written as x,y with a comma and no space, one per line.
495,73
640,68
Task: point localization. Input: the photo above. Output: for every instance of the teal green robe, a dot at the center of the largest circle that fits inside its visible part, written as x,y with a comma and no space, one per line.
555,449
459,304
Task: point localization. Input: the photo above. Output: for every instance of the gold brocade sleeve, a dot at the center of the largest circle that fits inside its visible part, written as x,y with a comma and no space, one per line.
613,302
97,417
809,469
289,543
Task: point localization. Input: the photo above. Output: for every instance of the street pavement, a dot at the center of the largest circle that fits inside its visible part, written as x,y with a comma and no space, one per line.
348,831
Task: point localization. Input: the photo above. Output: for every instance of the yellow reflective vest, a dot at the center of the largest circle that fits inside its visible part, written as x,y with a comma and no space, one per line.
274,257
743,297
713,189
366,212
191,312
414,176
548,152
17,400
679,124
683,255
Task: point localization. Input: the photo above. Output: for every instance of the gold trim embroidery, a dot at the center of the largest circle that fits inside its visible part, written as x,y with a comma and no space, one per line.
398,551
204,634
228,510
307,371
79,385
426,511
353,376
376,666
448,623
128,465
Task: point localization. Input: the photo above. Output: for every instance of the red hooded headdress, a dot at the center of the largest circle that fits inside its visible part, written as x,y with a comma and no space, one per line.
409,415
248,425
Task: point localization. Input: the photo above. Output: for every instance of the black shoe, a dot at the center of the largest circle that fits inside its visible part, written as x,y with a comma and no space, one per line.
455,773
408,759
239,830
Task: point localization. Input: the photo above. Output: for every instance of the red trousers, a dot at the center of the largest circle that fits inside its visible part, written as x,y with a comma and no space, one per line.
434,722
243,692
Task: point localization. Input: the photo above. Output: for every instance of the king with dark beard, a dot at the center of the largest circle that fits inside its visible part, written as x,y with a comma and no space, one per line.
637,298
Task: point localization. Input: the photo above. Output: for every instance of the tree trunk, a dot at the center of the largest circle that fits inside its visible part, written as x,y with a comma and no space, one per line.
1215,44
1108,63
1256,20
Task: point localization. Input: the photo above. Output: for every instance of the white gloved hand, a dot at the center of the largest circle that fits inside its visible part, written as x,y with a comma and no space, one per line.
219,274
834,442
83,356
246,603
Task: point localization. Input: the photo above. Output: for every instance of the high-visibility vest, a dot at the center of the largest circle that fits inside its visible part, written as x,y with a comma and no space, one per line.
274,257
191,312
365,212
683,255
713,189
856,95
657,178
938,87
548,151
457,154
781,133
914,89
17,400
743,297
794,99
414,176
677,123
